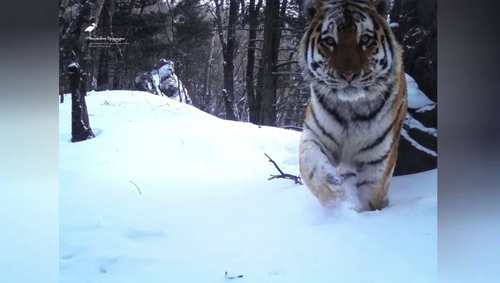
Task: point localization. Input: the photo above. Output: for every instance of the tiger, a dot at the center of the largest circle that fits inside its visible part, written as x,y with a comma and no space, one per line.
353,65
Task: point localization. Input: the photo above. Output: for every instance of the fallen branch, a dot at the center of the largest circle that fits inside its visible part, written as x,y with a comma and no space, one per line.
136,187
295,128
282,175
232,277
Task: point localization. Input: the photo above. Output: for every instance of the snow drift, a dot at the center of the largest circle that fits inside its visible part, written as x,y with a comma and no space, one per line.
168,193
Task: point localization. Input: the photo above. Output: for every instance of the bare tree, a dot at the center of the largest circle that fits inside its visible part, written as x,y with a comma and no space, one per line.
257,74
254,101
269,61
228,50
77,47
80,124
206,84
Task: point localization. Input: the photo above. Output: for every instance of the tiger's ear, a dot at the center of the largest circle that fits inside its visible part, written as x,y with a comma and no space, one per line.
311,7
382,7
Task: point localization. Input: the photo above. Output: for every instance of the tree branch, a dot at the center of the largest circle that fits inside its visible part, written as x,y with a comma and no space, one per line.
257,48
136,187
288,49
286,74
291,127
286,63
282,175
224,28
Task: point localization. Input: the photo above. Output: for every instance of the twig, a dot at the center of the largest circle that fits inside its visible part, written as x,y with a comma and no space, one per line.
282,175
290,127
136,187
233,277
286,73
287,63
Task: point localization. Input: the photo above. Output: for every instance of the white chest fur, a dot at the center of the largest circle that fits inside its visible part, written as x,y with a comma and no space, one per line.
344,135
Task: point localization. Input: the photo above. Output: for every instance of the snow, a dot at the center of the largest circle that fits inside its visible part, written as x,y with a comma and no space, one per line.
416,98
426,108
74,65
413,123
168,193
414,143
165,80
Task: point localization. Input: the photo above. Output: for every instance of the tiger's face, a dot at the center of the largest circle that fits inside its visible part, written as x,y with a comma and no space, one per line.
348,47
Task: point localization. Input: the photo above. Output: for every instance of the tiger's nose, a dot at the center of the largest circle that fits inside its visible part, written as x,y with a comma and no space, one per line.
349,75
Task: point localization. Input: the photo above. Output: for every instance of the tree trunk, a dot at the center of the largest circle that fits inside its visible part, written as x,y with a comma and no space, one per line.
131,7
80,126
103,67
254,104
206,90
228,55
143,5
270,59
83,93
102,71
118,65
69,47
61,93
231,113
259,90
78,74
116,77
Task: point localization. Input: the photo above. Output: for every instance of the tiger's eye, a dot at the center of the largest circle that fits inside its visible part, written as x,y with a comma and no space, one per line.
364,39
329,41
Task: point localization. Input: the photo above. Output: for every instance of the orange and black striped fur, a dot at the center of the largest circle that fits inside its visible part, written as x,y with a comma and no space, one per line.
358,102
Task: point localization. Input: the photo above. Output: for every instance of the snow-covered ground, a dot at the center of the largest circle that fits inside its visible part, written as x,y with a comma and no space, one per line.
167,193
416,98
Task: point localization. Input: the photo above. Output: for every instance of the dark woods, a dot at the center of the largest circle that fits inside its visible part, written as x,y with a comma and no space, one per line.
237,59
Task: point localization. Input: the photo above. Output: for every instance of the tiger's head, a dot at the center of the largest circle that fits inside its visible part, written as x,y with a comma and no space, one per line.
349,49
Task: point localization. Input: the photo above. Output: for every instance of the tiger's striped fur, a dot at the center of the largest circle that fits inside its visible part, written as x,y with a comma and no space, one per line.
352,125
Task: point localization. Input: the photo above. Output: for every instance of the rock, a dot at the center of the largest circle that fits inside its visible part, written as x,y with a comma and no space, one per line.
162,80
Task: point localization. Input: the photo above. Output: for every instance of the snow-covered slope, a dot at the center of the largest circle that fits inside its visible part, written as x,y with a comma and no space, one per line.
416,98
167,193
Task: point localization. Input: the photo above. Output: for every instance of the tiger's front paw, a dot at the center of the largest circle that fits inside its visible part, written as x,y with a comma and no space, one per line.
343,185
334,180
336,185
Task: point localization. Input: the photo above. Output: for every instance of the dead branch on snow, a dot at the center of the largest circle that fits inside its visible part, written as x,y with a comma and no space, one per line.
282,175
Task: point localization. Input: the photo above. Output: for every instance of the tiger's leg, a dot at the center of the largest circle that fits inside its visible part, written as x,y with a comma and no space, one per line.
374,179
319,173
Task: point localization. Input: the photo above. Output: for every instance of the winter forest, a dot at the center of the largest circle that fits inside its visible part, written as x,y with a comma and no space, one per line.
234,59
179,131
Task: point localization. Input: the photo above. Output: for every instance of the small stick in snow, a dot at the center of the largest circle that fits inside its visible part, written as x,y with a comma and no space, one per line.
136,187
282,175
233,277
295,128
